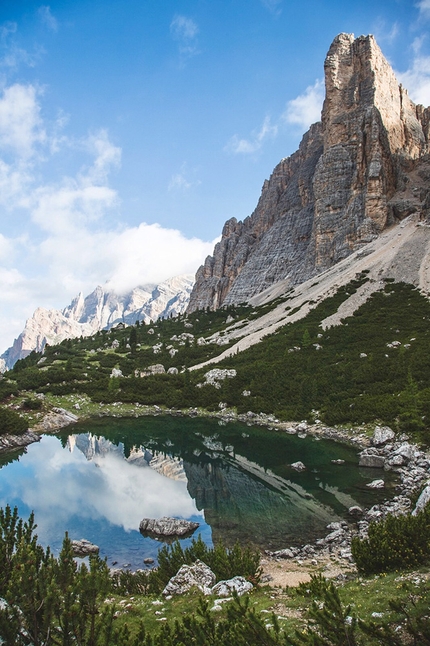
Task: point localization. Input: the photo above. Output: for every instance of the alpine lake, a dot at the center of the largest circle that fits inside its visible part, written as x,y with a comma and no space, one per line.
99,478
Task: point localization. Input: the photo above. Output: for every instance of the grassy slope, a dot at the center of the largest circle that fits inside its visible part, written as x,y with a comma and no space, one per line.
345,374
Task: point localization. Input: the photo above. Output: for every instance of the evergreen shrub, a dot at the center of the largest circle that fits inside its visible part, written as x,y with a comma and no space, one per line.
394,543
11,423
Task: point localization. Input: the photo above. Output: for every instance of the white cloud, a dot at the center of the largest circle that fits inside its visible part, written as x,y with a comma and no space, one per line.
185,30
181,181
274,6
47,17
20,122
385,33
252,145
424,8
305,109
13,55
178,181
417,78
72,246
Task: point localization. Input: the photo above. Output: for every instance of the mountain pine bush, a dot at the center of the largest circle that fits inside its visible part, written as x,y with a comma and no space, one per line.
394,543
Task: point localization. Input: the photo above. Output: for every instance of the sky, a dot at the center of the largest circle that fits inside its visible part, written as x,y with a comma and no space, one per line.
131,130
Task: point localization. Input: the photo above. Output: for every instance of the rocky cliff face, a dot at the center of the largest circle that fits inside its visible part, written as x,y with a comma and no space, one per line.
352,176
99,310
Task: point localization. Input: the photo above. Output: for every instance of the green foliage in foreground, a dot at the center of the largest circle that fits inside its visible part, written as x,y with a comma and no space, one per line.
394,543
47,600
223,562
52,602
11,423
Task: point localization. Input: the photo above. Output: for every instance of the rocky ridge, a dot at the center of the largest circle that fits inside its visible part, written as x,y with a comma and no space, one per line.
363,168
102,309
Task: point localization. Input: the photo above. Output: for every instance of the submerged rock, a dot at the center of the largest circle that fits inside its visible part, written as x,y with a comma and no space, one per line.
298,466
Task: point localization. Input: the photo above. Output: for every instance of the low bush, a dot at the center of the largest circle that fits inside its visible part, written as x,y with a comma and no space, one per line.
225,563
11,423
394,543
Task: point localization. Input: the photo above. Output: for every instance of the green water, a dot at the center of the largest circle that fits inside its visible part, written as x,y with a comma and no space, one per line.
98,479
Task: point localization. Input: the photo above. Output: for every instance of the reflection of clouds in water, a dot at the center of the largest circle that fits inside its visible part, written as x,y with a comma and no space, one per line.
65,483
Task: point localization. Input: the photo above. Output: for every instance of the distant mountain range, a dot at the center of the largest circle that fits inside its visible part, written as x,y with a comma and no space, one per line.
102,309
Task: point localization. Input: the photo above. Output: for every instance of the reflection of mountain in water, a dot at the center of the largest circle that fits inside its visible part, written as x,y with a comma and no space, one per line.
266,511
95,447
241,500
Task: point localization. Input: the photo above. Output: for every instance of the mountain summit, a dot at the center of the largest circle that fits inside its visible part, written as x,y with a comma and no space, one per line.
362,168
102,309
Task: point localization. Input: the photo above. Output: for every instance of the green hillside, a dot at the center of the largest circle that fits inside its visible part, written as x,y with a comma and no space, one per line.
374,366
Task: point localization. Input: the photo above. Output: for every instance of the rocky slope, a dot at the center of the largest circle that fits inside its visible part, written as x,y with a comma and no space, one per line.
99,310
363,168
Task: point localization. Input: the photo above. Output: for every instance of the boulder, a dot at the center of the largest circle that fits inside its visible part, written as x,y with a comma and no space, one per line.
376,484
283,554
84,548
406,450
382,435
197,575
298,466
368,458
355,511
394,461
237,584
423,500
165,526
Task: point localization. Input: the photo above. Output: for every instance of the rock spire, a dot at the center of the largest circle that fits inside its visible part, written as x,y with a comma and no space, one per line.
354,174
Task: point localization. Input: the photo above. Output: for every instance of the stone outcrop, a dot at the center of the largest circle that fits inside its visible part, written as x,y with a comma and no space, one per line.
197,575
84,548
355,173
167,527
99,310
11,442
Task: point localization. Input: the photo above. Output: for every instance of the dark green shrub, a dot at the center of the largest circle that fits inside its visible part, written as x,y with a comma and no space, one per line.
394,543
329,623
11,423
32,404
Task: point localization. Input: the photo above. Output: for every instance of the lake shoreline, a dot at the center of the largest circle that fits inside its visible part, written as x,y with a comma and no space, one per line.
334,560
57,418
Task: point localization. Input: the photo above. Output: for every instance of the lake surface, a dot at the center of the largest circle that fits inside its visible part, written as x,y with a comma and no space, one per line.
236,481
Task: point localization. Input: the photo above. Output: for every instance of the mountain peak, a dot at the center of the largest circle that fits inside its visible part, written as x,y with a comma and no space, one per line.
356,172
102,309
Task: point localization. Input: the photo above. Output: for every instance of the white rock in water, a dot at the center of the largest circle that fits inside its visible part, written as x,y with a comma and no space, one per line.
376,484
188,576
238,584
298,466
167,526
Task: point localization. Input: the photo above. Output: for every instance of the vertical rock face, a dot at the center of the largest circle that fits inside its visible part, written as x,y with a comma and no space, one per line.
337,192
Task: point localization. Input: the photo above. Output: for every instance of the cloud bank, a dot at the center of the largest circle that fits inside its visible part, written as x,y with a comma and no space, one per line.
66,241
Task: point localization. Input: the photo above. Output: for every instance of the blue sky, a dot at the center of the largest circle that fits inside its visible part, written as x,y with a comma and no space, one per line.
131,130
